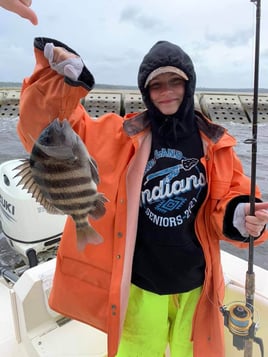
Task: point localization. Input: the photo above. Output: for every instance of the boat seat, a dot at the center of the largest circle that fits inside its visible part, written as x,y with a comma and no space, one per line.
44,332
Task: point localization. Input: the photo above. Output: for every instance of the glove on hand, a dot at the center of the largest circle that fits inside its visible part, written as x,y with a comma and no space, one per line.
71,67
239,221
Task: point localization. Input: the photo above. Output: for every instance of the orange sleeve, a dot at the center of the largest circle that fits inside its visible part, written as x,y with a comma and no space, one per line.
46,95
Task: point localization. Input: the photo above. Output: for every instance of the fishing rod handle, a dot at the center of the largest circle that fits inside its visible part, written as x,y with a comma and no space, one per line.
248,352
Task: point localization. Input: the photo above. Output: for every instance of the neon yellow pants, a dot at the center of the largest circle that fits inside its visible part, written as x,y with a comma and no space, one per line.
153,321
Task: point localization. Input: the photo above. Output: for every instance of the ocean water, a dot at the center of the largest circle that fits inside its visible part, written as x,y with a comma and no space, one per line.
11,148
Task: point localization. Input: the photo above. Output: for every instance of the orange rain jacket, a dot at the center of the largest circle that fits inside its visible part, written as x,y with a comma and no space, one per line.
93,286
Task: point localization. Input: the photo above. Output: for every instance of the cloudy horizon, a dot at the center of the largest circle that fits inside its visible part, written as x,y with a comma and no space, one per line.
113,36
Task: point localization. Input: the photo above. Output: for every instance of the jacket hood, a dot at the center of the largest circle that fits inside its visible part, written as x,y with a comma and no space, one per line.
165,53
180,124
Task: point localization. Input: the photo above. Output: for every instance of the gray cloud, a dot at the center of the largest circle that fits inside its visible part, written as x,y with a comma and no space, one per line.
235,39
135,15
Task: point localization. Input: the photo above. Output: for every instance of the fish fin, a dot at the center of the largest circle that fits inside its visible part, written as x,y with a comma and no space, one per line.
87,235
28,183
25,165
100,209
94,170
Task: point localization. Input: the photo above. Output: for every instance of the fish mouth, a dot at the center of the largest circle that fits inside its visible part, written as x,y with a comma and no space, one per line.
60,125
61,131
64,123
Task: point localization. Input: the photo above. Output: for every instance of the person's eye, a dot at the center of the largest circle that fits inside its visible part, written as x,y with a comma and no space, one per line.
176,81
155,85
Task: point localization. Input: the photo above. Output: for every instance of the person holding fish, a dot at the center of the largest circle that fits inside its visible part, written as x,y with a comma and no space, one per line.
171,188
20,7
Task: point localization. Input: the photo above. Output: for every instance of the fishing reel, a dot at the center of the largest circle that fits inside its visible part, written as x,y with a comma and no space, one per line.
238,318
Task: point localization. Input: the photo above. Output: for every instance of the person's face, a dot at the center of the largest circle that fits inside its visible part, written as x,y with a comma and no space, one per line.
167,92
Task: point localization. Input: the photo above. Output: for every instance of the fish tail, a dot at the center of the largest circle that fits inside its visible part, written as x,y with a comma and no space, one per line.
87,235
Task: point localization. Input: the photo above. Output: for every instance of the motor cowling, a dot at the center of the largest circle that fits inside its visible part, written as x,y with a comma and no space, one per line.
25,223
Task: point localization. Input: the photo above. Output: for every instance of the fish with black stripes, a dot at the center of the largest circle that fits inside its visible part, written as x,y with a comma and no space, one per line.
62,176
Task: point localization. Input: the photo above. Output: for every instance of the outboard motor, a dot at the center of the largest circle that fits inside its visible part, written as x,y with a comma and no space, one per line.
27,226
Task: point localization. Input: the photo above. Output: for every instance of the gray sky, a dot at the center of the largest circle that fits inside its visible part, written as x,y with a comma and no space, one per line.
112,37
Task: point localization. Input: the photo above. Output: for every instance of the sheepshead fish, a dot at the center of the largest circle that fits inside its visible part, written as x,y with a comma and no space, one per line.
62,176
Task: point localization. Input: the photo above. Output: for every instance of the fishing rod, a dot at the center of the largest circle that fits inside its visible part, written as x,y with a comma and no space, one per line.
239,317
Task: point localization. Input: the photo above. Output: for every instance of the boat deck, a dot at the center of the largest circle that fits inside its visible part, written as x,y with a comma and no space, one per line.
75,339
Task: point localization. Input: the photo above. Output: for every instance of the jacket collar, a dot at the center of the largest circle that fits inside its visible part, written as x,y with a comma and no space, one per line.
213,131
136,123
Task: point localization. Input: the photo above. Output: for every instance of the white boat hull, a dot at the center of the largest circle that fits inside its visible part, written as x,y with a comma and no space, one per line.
29,328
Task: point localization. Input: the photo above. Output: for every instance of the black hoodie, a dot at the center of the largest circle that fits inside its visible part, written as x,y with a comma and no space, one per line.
164,53
168,258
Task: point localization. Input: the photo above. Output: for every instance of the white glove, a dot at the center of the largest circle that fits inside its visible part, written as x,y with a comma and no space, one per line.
71,67
239,221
